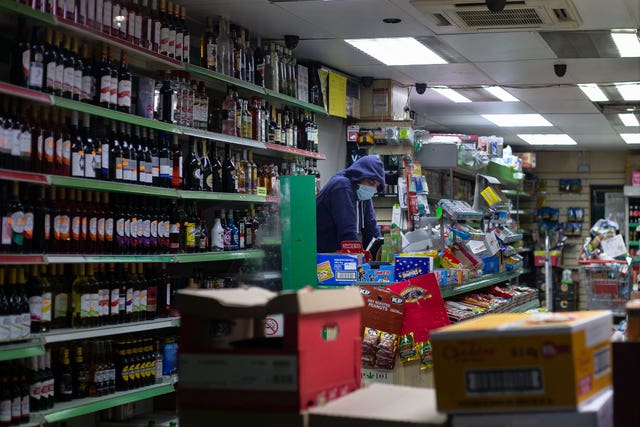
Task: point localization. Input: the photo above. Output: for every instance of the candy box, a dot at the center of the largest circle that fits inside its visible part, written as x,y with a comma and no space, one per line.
337,269
231,361
408,267
384,273
509,362
491,264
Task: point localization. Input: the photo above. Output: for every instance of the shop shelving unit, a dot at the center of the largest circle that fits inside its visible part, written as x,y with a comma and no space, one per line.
140,58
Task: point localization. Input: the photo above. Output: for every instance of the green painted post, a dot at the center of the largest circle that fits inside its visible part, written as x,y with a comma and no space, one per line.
298,213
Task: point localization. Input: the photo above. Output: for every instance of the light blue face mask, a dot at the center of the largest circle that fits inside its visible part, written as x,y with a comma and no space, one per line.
365,192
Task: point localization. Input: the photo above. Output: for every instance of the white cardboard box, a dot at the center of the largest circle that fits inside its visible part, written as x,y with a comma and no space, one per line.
597,412
380,405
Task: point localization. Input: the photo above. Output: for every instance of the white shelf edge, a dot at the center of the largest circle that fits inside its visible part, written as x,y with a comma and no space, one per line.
71,334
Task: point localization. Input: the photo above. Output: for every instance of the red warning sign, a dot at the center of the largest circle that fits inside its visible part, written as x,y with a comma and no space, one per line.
271,326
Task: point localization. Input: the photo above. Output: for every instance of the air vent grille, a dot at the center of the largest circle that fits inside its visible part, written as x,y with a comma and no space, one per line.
507,18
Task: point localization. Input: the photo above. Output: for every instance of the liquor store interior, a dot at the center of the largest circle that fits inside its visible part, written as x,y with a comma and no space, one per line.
319,213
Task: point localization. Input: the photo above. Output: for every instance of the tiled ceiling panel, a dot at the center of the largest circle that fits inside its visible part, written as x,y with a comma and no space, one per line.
604,70
604,14
594,124
550,106
581,44
500,108
446,74
336,53
554,93
601,142
357,18
524,72
487,47
377,72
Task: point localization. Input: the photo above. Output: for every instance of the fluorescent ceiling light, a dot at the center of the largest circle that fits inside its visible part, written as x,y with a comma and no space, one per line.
629,91
629,119
444,138
548,139
451,94
631,138
517,120
627,43
501,94
397,51
593,92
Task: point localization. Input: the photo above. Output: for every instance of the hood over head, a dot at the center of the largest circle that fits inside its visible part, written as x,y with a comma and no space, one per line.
367,167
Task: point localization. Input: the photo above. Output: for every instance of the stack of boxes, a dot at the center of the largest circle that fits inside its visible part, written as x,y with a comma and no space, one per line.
504,370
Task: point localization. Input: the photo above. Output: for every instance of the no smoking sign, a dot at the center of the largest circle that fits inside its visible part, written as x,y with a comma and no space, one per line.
273,325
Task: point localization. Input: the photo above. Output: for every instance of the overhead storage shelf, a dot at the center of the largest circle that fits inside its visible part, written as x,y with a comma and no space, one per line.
482,282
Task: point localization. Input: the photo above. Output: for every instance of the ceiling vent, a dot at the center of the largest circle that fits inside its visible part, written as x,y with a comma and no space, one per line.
473,15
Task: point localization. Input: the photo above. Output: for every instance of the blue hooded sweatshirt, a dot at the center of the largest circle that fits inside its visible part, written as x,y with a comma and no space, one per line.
339,214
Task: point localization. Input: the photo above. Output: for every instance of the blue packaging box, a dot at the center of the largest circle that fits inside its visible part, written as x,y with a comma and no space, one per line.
382,274
408,267
337,269
491,264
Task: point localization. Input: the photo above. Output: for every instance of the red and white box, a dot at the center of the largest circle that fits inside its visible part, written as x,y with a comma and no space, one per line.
231,359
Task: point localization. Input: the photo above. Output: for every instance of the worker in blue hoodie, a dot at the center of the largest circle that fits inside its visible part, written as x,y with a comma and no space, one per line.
344,209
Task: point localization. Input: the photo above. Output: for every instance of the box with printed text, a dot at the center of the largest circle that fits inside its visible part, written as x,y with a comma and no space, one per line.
508,362
337,269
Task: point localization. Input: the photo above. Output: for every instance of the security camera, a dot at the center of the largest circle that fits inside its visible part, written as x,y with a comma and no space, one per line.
421,88
366,81
496,5
560,69
291,41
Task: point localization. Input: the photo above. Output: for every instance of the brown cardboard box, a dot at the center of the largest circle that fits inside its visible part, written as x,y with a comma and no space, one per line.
632,164
228,362
521,362
380,405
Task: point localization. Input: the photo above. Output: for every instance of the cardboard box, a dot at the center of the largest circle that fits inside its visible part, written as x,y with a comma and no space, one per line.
228,363
337,269
509,362
491,264
597,412
408,267
262,419
383,273
380,405
632,165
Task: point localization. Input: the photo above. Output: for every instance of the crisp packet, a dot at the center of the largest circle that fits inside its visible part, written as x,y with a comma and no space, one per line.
407,348
426,355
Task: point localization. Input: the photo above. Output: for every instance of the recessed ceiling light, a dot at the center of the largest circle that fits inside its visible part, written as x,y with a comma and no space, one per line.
548,139
392,20
517,120
627,43
631,138
593,92
629,119
397,51
629,91
501,94
451,94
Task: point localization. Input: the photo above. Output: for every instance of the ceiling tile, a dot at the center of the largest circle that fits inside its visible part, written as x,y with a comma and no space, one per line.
489,47
602,142
595,124
446,74
377,72
604,70
607,14
500,108
560,106
554,93
524,72
357,18
336,53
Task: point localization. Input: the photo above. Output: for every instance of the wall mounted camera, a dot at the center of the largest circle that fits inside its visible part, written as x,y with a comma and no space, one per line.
560,69
366,81
496,5
421,88
291,41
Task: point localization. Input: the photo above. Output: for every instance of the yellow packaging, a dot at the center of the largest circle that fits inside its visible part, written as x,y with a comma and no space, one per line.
522,362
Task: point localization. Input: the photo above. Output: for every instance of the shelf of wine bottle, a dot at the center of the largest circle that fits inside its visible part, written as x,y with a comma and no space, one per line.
137,55
120,187
296,151
220,256
10,259
20,350
75,408
22,9
68,104
294,101
73,334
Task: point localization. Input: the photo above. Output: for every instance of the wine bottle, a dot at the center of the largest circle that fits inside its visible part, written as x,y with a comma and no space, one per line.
124,85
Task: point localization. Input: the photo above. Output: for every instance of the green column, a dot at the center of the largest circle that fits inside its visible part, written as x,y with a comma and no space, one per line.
298,213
